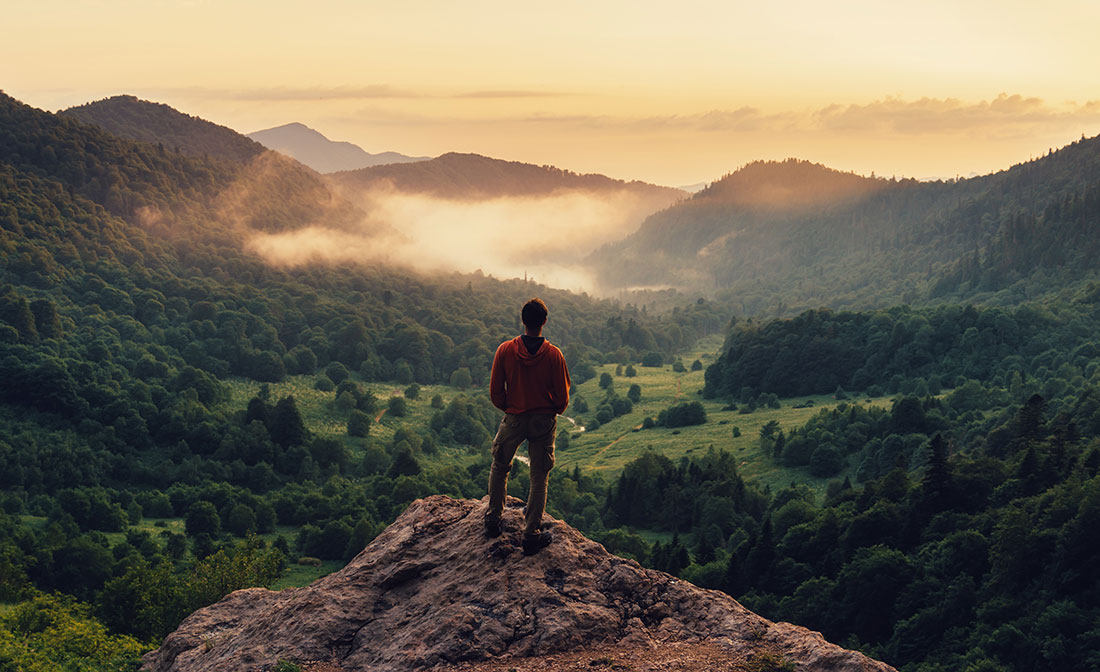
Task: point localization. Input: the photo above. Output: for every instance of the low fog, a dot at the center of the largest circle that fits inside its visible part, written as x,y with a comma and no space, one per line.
544,237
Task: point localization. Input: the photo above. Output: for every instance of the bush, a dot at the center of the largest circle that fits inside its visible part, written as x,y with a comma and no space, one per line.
397,407
337,372
682,415
358,424
653,359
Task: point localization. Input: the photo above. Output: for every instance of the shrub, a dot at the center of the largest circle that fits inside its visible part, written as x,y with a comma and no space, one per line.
397,407
681,415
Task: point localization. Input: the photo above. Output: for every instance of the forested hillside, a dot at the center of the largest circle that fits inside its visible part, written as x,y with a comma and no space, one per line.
785,236
157,123
471,176
128,311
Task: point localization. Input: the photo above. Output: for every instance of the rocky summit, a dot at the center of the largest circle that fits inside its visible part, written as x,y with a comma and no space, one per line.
433,593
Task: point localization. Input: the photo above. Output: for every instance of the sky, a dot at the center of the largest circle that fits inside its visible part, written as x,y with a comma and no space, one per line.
672,93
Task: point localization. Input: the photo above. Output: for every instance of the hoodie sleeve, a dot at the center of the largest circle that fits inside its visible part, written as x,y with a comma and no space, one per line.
497,393
561,385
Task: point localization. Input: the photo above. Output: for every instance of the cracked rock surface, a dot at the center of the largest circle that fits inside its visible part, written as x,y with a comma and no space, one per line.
432,592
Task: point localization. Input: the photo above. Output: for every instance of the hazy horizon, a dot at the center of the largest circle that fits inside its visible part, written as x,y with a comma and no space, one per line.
626,90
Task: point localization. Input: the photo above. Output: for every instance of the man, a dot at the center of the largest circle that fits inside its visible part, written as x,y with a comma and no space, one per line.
530,383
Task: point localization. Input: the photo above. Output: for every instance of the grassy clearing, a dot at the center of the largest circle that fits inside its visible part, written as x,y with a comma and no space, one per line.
297,575
607,449
611,446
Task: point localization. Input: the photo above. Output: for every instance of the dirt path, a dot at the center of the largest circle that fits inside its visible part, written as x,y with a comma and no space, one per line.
608,446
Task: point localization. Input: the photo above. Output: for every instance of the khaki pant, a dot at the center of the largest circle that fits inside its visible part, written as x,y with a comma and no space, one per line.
539,431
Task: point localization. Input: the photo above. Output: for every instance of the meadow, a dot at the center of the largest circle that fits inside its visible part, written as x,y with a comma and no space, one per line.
610,447
607,449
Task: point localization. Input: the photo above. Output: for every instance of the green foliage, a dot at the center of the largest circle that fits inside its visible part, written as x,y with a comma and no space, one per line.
682,415
250,563
766,661
52,632
396,407
358,424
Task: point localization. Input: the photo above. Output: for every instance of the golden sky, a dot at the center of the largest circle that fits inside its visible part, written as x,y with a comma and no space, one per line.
669,92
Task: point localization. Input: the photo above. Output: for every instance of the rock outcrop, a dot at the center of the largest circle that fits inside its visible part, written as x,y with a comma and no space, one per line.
431,592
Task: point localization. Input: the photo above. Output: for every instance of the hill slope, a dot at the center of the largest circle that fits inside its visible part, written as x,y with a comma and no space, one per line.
789,235
128,117
432,591
321,154
472,176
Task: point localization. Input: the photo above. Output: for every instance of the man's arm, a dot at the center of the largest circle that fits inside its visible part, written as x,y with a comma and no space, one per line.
497,393
561,385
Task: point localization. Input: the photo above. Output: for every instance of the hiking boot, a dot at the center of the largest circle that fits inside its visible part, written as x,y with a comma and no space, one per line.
533,543
493,526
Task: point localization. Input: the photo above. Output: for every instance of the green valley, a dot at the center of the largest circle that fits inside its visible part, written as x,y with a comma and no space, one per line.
180,418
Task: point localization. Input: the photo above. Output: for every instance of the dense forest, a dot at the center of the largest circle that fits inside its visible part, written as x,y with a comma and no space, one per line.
130,311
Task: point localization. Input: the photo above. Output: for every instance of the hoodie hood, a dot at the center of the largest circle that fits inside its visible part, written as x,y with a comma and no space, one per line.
525,356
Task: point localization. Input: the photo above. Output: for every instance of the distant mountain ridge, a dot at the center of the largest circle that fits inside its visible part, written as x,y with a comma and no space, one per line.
129,117
315,150
473,176
785,236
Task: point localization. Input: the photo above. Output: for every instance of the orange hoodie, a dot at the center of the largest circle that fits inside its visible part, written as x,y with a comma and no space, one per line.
526,383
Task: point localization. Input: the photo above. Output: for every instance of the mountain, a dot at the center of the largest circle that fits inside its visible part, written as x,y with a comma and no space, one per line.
791,235
432,592
475,177
129,117
250,188
321,154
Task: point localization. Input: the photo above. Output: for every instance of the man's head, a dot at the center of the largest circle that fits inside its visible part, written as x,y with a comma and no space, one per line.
534,314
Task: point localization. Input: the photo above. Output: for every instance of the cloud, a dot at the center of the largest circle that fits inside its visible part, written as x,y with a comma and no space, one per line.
1004,114
367,92
290,93
505,93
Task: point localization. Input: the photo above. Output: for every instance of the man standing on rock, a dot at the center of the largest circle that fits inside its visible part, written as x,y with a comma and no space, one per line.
530,383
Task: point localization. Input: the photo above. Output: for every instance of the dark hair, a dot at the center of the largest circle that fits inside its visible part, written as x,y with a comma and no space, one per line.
534,313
